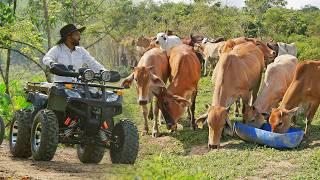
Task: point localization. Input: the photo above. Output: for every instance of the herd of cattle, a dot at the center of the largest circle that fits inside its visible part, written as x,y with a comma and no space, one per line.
237,67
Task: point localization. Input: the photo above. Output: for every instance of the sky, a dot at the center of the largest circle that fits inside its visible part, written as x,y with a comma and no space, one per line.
295,4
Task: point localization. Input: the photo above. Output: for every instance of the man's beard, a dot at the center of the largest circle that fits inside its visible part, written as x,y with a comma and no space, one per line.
76,43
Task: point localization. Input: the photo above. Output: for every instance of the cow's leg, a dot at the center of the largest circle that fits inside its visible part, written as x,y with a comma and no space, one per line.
245,105
255,90
236,111
310,114
212,66
150,114
202,66
192,109
145,114
155,129
205,67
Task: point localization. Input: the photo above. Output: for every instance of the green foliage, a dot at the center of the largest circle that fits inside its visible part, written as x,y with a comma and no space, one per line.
17,101
6,16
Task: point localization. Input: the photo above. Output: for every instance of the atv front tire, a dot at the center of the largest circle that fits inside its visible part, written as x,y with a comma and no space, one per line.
90,153
19,134
125,143
44,135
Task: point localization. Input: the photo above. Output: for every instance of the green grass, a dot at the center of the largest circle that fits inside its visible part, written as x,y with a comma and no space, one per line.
184,155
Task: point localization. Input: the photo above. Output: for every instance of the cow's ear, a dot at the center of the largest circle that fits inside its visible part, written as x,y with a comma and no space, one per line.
159,92
182,101
126,83
156,81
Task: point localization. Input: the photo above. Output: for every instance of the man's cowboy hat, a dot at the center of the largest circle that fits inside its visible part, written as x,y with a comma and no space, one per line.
66,30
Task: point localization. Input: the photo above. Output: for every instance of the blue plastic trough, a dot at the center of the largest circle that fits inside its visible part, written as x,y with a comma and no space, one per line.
264,136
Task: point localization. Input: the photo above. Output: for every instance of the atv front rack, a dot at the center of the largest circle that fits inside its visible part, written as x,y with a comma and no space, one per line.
44,87
91,85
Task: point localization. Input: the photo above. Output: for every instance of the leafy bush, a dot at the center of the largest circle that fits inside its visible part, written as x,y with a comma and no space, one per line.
9,105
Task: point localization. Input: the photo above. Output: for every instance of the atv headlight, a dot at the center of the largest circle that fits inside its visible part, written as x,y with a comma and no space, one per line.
88,74
106,76
112,97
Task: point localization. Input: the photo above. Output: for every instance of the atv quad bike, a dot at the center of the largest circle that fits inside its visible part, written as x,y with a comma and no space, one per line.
80,113
2,129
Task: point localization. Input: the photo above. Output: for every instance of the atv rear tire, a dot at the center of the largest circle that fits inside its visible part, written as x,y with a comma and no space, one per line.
44,135
125,143
19,134
2,129
90,153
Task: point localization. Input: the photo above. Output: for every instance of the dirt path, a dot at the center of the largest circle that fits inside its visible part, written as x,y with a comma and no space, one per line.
65,165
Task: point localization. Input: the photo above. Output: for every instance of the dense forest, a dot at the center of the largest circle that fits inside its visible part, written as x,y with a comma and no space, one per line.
28,28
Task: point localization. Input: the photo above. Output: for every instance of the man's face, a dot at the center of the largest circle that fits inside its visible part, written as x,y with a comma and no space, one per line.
75,38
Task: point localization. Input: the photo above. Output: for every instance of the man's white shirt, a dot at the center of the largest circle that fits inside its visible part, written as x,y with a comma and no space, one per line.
78,58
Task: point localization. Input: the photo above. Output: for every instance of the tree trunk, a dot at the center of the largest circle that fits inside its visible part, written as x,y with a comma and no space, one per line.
47,23
6,80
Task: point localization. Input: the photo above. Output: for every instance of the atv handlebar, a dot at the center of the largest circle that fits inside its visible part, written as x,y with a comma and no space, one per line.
62,70
84,74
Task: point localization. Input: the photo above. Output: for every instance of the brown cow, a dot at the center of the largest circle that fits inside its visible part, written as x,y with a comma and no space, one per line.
150,76
143,44
185,74
238,74
304,90
278,77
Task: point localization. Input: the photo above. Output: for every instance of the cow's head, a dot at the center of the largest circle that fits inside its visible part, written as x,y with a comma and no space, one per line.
253,117
217,116
280,119
274,46
199,48
161,38
145,81
171,106
268,53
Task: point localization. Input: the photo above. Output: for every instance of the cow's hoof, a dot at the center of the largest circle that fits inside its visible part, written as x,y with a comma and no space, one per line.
155,134
194,127
212,147
144,133
150,117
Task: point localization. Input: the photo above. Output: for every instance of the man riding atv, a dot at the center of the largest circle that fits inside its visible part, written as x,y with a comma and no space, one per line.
77,108
68,52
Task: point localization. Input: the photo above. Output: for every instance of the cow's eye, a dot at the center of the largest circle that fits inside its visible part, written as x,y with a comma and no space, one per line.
166,104
280,124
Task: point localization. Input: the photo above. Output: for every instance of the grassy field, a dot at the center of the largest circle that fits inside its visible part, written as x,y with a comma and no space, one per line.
185,155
